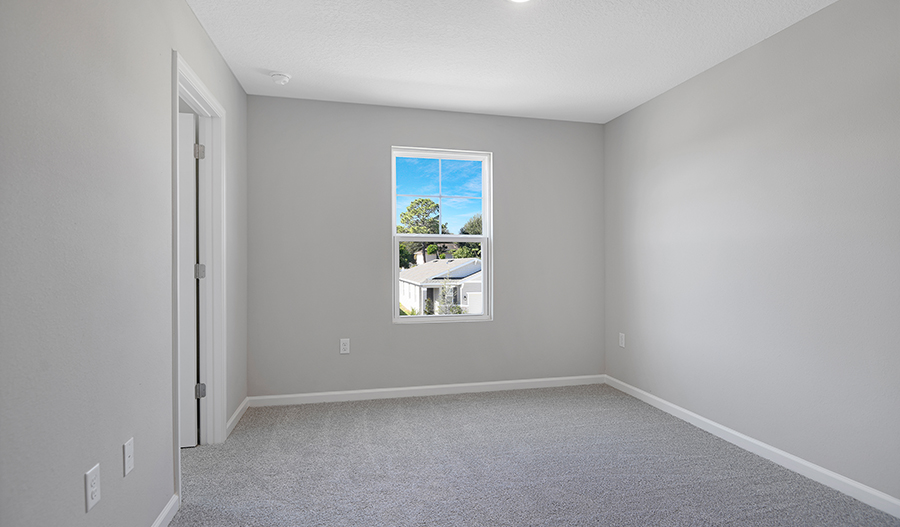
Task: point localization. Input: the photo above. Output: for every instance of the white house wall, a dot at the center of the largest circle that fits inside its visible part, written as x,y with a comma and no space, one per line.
411,296
470,295
752,244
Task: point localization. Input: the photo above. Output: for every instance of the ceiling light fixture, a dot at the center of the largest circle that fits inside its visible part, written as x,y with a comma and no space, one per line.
280,78
519,1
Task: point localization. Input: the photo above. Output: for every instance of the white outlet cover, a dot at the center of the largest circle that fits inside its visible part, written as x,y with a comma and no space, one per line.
345,346
91,487
128,454
621,340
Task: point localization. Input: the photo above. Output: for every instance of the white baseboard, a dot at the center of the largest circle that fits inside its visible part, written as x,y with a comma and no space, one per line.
168,512
419,391
868,495
233,421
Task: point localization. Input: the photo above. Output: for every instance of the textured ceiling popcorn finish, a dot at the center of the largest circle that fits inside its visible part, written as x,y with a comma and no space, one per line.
574,60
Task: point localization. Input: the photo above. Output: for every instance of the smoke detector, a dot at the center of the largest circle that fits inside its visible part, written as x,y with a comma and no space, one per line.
280,78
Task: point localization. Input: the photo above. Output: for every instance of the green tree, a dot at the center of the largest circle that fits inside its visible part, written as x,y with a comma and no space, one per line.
473,226
421,217
437,249
406,256
468,249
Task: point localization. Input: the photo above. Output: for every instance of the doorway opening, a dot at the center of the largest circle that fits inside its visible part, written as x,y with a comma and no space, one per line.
199,343
190,261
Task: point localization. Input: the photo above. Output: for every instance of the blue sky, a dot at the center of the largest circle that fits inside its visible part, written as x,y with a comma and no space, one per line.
454,184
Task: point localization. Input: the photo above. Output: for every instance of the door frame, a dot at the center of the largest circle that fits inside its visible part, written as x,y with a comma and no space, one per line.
188,87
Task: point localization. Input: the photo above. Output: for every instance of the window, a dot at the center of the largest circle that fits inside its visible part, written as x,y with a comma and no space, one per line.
441,235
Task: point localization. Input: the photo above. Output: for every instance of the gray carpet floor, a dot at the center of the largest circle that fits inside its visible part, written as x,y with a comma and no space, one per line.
583,455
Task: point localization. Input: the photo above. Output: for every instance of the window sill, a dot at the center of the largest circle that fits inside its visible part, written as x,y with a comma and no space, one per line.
440,319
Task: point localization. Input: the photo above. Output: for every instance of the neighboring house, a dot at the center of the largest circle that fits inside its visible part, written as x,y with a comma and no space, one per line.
420,259
470,294
427,258
423,282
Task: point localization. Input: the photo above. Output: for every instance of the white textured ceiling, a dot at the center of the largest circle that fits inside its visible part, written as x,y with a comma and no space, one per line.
574,60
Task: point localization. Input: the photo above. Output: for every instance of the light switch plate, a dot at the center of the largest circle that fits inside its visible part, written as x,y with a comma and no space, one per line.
128,453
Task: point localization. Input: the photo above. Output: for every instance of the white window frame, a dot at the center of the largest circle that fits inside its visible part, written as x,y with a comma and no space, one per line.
486,237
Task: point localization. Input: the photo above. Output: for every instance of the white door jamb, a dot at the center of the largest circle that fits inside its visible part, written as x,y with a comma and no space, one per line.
211,214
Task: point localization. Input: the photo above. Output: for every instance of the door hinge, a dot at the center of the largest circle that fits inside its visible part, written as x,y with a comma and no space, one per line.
199,151
199,271
200,391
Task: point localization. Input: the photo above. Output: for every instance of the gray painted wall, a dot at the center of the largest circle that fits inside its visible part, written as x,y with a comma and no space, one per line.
320,221
86,259
753,242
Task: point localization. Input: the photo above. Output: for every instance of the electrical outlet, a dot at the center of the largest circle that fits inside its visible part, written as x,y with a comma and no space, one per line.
621,340
128,453
345,346
91,487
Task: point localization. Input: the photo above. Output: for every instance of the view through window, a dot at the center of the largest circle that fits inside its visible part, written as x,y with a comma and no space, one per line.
441,235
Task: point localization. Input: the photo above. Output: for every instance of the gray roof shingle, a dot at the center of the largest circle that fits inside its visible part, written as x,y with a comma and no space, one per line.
435,270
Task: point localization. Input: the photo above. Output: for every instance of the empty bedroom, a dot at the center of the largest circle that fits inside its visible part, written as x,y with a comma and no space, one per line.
483,263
